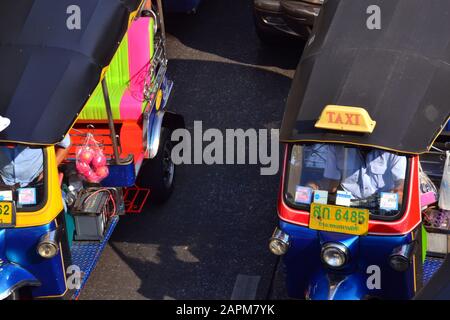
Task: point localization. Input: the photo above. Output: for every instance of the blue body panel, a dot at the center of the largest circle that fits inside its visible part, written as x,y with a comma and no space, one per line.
12,277
350,287
181,6
18,249
307,276
120,176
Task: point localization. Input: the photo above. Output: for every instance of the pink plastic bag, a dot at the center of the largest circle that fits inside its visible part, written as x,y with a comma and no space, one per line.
91,162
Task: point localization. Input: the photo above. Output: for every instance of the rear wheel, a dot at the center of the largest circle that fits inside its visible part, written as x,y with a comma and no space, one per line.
158,174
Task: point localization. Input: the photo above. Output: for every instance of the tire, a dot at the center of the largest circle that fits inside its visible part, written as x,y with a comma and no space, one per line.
21,294
158,174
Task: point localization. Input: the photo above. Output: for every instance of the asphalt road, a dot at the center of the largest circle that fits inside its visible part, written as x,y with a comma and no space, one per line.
217,223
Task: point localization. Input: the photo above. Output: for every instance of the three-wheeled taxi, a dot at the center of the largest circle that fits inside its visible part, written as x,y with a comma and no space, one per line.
88,69
365,105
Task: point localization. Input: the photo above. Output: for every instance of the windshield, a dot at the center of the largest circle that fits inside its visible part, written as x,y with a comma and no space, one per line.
346,176
22,176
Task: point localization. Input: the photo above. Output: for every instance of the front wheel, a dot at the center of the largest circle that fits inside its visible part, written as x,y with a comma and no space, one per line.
158,174
20,294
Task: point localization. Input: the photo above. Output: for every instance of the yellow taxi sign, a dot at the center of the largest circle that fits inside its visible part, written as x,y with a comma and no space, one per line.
344,118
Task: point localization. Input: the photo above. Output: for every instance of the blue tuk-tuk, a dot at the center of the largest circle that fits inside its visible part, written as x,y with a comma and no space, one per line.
368,107
84,68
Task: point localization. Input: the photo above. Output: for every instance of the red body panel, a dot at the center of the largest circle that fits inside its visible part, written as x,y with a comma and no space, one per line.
130,138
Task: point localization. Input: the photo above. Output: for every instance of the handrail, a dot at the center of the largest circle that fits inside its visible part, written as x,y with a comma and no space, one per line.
112,129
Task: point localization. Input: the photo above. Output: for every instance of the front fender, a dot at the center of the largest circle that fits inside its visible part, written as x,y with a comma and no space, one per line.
157,121
13,277
331,286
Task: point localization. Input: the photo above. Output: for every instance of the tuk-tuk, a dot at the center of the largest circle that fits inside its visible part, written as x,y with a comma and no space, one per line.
83,68
365,107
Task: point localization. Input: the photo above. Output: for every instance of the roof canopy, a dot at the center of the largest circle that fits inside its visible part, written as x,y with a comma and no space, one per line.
49,66
400,73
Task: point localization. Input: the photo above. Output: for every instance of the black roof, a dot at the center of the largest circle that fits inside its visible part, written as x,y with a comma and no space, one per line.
48,71
400,73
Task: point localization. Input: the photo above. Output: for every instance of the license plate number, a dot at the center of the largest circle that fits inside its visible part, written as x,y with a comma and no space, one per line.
339,219
7,214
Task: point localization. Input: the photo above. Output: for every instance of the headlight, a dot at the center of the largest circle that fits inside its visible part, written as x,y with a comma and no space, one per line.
48,245
279,243
334,255
47,249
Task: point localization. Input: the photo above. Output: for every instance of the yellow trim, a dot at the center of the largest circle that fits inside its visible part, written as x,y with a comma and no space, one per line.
414,264
440,132
54,205
102,75
159,97
414,273
345,118
55,296
134,13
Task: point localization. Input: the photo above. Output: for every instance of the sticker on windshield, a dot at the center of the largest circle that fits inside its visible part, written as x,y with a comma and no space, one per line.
303,195
321,196
27,196
389,201
343,198
6,195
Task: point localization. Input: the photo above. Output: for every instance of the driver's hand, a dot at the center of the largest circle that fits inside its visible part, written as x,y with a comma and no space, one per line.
313,185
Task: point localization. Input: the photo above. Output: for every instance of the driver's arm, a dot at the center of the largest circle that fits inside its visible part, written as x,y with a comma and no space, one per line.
325,184
398,171
399,189
62,149
331,174
61,152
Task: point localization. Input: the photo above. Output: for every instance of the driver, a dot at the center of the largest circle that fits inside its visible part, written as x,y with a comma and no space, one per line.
363,173
21,165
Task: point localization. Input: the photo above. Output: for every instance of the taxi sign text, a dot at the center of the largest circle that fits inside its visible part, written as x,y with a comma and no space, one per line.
343,118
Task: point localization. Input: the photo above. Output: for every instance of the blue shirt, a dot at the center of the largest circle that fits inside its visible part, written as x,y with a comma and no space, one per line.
23,164
379,171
